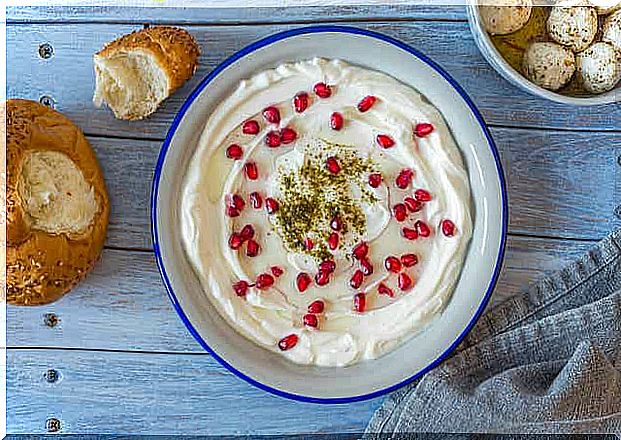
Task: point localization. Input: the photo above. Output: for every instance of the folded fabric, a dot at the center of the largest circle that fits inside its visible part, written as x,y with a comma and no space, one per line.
545,361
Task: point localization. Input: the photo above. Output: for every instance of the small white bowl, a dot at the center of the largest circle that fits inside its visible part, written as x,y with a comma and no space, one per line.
498,62
268,370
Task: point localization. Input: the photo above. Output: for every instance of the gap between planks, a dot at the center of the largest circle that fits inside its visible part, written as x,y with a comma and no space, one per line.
612,131
109,350
509,235
130,249
320,21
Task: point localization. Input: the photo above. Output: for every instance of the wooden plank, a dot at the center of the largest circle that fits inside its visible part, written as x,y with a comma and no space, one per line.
137,393
528,259
128,166
564,184
122,305
231,15
449,43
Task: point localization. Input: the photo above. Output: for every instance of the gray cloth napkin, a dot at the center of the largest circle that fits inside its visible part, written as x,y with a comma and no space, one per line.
545,361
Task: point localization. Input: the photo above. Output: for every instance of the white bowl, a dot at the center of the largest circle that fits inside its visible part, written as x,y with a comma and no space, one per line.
269,370
498,62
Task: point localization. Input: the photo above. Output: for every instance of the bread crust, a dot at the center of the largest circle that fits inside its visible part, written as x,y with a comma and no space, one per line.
42,267
174,49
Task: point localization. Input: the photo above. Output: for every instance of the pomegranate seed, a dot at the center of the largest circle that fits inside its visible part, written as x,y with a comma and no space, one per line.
316,306
271,205
271,114
412,204
251,127
336,121
366,103
276,271
356,279
247,232
264,281
422,228
383,289
322,90
448,228
328,266
404,178
404,281
392,264
409,260
288,342
336,224
310,320
423,129
300,102
400,212
385,141
235,241
308,243
302,281
237,202
375,180
252,172
332,164
367,267
422,195
234,152
360,250
241,288
410,234
322,278
231,211
360,302
288,135
333,241
252,248
273,139
256,200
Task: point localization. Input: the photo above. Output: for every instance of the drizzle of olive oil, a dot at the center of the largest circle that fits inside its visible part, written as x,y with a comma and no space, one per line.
218,168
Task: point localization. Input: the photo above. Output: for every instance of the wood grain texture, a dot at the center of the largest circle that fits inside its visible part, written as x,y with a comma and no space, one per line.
139,393
563,170
224,15
564,184
122,305
560,184
448,43
128,166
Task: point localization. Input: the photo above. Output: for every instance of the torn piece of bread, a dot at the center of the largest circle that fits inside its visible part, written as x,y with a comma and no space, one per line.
57,205
138,71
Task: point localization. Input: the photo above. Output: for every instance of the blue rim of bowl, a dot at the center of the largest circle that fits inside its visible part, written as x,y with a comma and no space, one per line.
158,171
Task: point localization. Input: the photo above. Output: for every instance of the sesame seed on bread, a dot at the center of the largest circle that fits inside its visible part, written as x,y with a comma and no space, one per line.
56,203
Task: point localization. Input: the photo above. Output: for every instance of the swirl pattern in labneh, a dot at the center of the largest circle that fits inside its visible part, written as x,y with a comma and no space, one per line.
326,211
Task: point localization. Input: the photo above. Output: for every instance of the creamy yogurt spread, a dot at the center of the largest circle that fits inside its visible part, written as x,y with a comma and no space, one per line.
326,211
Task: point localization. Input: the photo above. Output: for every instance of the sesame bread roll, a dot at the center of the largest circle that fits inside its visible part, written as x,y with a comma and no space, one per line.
138,71
56,203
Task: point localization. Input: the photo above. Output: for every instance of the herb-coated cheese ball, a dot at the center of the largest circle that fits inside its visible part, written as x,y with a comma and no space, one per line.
574,27
549,65
611,32
599,68
505,19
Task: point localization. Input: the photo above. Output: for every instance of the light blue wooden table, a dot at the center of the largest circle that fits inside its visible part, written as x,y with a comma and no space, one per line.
113,357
